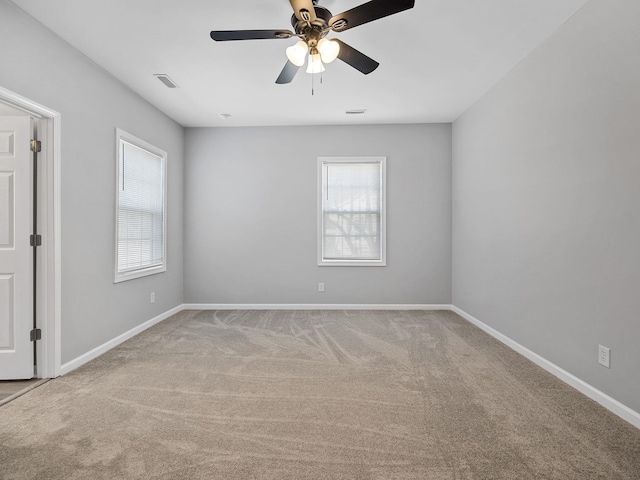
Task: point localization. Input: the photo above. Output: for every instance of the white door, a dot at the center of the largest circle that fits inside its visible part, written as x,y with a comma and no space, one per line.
16,254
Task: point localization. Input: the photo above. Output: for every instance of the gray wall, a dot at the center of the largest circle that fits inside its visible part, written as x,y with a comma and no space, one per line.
546,202
251,213
39,65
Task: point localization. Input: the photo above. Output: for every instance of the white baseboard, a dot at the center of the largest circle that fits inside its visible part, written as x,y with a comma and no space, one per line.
307,306
96,352
583,387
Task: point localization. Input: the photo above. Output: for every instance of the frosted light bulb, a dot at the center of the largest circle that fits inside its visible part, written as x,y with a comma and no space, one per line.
297,53
315,64
329,50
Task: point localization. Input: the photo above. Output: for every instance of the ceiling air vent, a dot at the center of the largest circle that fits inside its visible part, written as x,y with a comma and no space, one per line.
166,80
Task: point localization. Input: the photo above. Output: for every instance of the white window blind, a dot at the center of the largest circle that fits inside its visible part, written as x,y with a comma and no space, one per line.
140,236
352,211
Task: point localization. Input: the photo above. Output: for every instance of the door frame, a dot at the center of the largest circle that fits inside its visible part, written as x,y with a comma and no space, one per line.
49,260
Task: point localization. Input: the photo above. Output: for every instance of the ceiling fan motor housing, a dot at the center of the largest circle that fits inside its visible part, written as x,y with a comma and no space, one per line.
314,31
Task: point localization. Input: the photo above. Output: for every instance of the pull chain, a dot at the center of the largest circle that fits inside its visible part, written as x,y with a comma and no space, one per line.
313,76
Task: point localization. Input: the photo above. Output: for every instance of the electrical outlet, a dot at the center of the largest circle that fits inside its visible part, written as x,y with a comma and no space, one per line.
153,297
604,356
321,287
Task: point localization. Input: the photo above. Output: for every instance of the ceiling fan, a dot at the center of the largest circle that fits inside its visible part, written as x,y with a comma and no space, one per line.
312,23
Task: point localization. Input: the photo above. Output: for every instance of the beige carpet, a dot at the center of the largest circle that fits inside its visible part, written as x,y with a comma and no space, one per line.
312,395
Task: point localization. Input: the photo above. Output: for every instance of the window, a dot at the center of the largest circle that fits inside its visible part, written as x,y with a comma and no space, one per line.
351,221
140,209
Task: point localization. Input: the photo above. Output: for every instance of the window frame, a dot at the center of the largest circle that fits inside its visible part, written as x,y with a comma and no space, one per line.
382,262
121,136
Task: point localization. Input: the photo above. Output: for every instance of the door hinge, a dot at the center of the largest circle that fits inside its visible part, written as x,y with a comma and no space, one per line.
36,146
35,240
36,334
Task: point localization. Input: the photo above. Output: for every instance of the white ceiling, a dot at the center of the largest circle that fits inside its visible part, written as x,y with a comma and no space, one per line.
436,59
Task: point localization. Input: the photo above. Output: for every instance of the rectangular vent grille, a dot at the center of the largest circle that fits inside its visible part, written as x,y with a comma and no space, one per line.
166,80
359,111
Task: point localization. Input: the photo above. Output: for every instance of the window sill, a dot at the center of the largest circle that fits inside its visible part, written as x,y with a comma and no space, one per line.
352,263
123,277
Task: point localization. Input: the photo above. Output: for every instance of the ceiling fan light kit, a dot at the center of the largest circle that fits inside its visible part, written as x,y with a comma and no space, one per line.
297,53
315,63
329,50
311,24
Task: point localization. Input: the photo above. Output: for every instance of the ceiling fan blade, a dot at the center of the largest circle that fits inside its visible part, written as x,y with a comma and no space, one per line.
226,35
368,12
288,72
303,10
355,58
